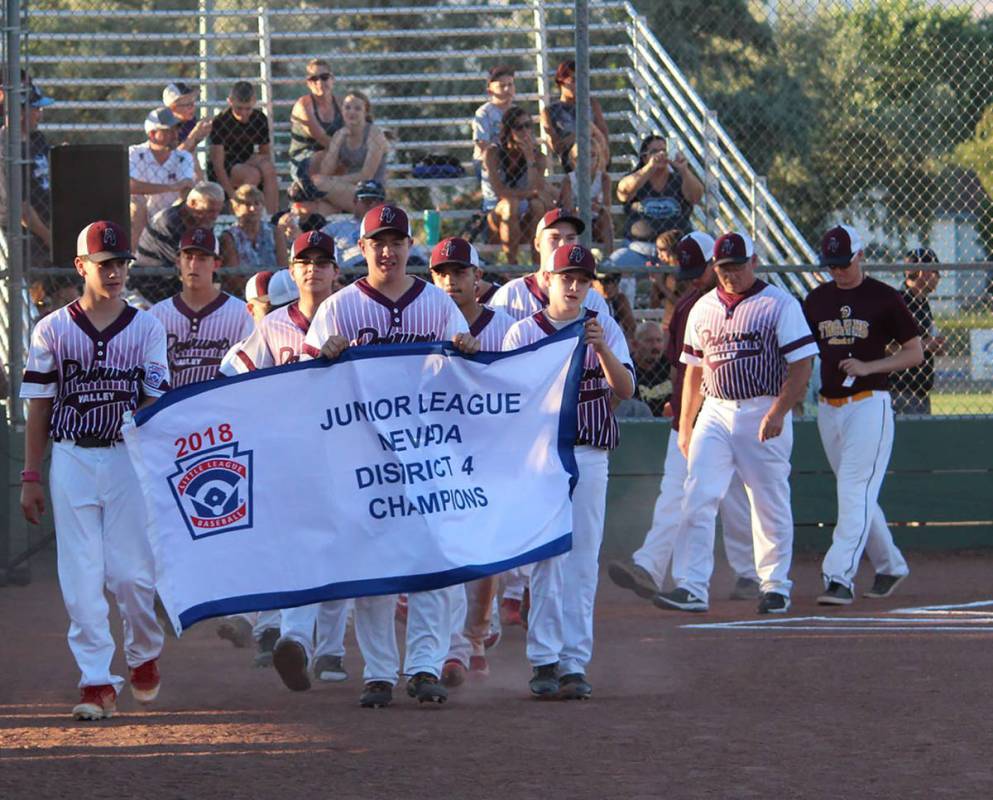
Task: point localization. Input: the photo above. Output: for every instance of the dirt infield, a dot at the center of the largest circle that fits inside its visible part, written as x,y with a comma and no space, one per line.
880,705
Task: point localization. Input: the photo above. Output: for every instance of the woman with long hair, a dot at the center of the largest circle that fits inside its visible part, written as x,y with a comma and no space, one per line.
559,117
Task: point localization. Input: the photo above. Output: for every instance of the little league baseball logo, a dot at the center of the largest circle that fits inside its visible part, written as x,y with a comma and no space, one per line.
213,490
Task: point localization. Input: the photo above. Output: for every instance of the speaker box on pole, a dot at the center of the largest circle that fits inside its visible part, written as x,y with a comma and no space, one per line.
89,182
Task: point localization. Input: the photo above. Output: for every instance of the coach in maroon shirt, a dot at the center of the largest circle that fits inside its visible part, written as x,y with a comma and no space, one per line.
854,319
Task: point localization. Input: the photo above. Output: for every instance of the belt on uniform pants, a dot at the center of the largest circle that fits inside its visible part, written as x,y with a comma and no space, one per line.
840,401
93,441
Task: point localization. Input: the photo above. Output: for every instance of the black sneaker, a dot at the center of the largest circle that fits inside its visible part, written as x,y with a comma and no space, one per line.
574,686
330,669
426,688
836,595
544,683
884,585
267,641
629,575
774,603
376,694
746,589
680,600
290,660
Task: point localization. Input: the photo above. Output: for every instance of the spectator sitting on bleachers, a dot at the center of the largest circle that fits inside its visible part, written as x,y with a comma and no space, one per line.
160,173
345,232
659,192
159,242
36,212
600,190
559,118
608,286
356,153
666,289
488,117
654,381
240,147
315,118
181,100
515,195
252,241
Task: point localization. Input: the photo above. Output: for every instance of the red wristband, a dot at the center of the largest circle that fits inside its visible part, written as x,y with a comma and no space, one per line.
30,476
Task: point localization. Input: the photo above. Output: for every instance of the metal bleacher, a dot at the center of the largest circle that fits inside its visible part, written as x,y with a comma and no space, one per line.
423,67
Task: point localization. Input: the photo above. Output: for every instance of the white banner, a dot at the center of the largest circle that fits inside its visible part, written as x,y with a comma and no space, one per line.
396,468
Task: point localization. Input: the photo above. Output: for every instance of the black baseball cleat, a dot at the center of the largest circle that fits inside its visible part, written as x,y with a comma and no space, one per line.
290,660
836,595
376,694
680,600
265,646
774,603
544,683
574,686
629,575
426,688
746,589
884,585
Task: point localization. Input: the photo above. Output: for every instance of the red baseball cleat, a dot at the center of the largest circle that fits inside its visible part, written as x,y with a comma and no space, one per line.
510,612
96,702
145,681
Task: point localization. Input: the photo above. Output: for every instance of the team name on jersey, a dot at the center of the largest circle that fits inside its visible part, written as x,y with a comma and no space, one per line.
197,349
371,336
728,345
73,370
845,330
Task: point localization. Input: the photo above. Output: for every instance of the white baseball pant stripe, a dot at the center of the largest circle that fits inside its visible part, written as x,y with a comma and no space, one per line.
429,619
100,534
655,554
858,441
563,589
329,619
725,439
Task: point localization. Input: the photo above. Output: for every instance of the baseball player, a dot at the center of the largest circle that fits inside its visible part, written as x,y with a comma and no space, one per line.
522,297
90,363
645,572
388,305
563,589
749,354
201,322
854,318
455,270
279,339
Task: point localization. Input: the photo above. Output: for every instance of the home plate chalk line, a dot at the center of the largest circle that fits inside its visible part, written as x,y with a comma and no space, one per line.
971,617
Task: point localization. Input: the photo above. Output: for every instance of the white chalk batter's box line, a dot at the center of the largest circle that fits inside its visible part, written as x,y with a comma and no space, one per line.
957,618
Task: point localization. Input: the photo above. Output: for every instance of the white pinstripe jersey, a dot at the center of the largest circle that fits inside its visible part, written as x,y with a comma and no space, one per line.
523,297
95,376
597,425
365,316
196,341
744,342
277,340
490,328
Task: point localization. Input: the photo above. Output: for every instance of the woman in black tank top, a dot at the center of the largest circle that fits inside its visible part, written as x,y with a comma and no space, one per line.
314,120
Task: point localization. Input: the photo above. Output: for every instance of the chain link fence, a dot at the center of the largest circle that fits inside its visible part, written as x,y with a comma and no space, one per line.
789,116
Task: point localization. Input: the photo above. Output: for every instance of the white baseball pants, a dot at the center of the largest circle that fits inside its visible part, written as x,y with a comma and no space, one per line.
726,439
515,581
563,589
100,534
858,440
429,619
655,554
329,619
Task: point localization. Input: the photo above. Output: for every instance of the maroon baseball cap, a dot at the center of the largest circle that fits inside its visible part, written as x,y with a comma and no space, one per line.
573,257
385,217
102,241
454,251
733,248
559,215
695,251
839,246
313,240
201,239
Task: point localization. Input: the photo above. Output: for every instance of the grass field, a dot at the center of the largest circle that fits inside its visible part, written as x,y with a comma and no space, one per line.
962,403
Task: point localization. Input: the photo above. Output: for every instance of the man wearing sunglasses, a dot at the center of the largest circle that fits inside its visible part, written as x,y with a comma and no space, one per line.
854,318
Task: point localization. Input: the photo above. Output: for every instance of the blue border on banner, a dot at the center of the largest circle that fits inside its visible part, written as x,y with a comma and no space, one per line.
372,586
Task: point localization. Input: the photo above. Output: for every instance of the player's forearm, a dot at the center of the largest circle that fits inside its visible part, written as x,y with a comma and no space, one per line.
146,187
36,429
618,376
692,397
910,354
794,387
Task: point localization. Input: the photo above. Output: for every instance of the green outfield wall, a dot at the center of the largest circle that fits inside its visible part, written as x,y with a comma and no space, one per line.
938,492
